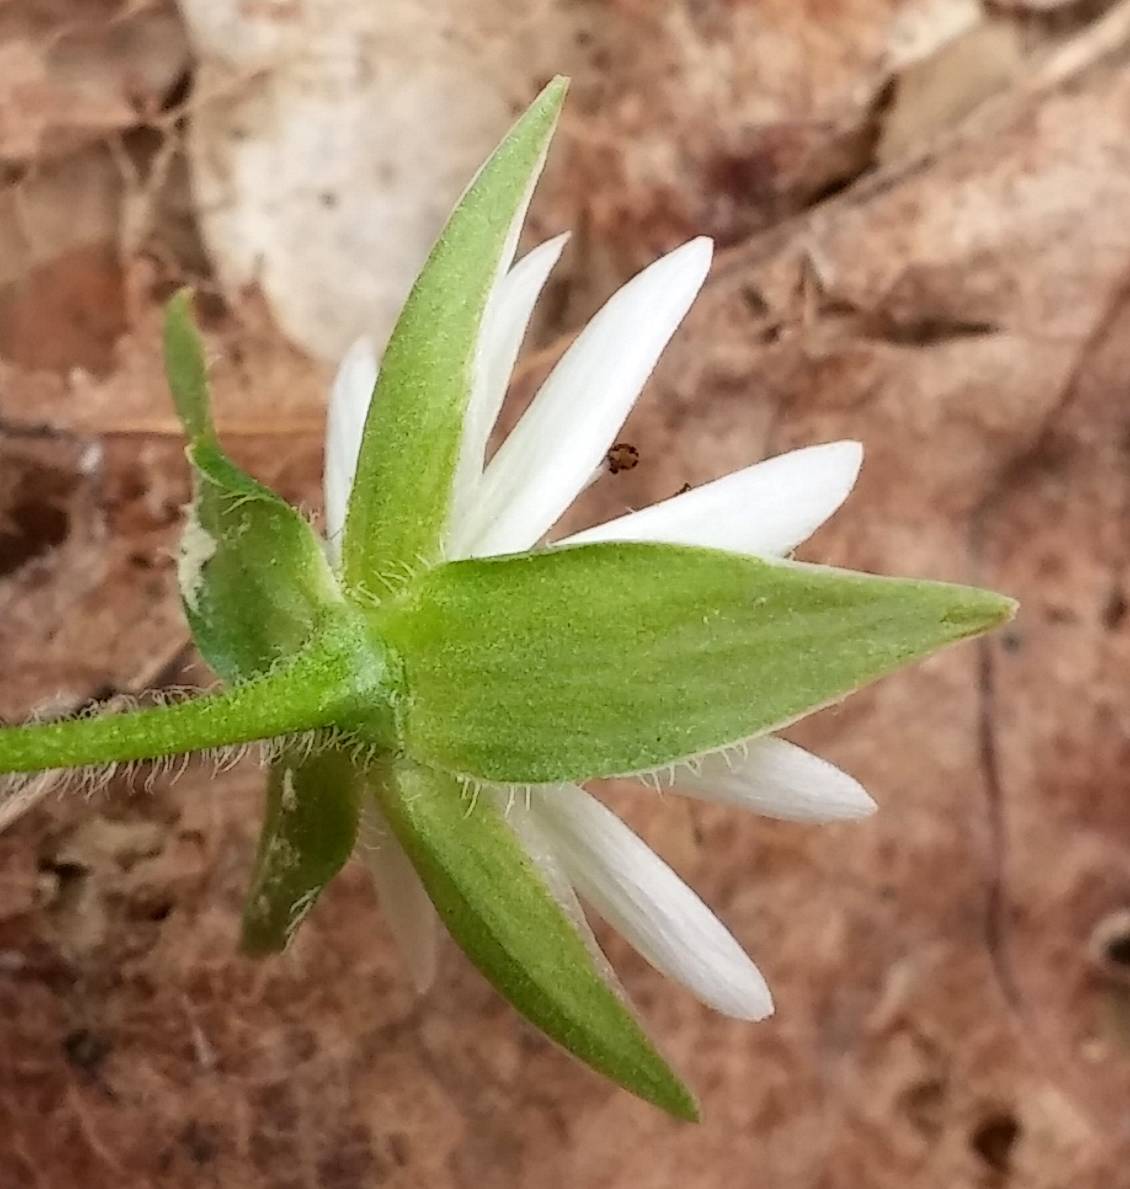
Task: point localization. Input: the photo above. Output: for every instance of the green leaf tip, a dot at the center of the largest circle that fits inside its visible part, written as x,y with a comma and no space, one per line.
402,497
186,369
977,611
500,910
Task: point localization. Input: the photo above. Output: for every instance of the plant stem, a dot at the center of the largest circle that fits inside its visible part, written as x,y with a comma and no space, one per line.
306,694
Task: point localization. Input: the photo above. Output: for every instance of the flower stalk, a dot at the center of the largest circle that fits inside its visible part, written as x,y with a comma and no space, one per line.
344,681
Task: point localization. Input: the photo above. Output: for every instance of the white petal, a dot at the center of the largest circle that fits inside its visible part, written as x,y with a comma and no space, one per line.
765,509
573,420
411,916
466,472
777,779
504,326
643,899
345,422
507,319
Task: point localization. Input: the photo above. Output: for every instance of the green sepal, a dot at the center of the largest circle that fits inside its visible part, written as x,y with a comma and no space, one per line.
253,575
186,368
255,584
504,916
616,658
310,827
401,499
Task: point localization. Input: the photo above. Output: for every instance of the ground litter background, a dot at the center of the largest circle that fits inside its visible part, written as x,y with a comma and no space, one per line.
920,208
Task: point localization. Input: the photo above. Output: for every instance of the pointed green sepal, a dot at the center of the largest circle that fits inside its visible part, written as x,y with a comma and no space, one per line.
313,806
401,500
623,657
502,913
186,368
253,575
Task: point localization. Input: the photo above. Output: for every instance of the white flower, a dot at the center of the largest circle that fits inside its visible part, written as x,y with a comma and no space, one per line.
509,505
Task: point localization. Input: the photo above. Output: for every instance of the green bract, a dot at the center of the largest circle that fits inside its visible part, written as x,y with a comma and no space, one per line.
403,687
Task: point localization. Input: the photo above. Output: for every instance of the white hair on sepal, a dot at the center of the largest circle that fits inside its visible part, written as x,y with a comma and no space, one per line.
470,792
652,779
300,747
360,593
666,776
298,912
361,754
394,578
665,779
504,795
311,743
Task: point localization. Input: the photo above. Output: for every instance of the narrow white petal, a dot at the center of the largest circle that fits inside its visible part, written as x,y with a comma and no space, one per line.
767,509
507,321
777,779
345,422
504,327
465,481
411,916
514,233
643,899
573,420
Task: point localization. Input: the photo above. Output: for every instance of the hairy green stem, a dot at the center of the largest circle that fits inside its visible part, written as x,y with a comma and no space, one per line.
316,690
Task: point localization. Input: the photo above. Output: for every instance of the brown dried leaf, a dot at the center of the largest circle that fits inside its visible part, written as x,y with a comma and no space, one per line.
69,76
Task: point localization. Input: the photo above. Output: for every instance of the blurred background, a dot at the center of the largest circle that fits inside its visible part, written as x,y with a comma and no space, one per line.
921,213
